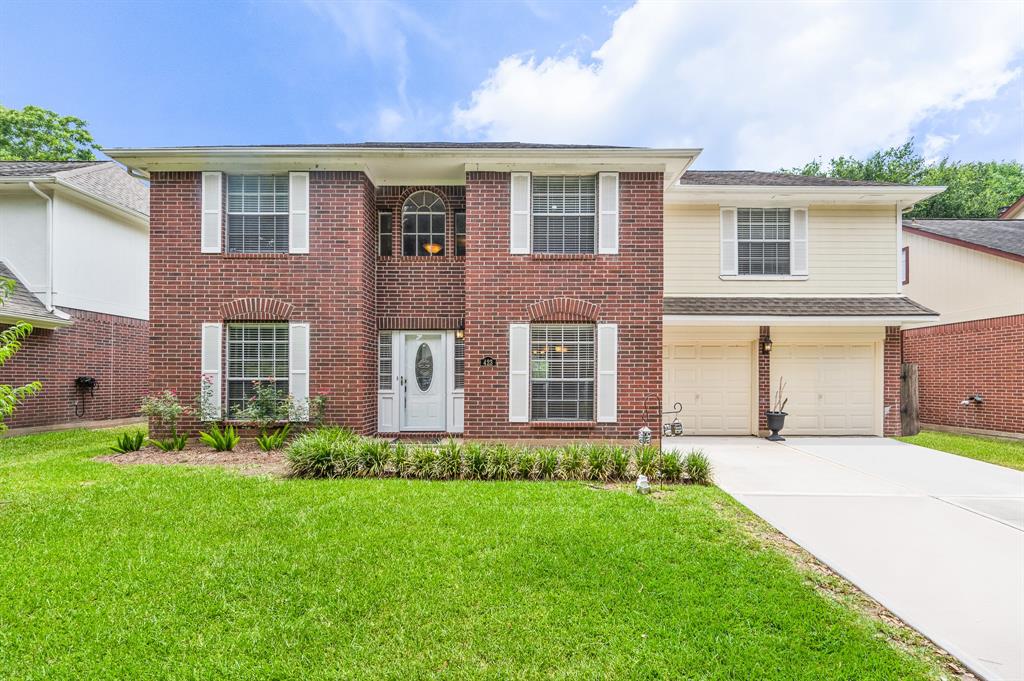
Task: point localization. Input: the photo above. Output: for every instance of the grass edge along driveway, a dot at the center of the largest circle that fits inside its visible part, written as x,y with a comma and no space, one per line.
171,572
998,451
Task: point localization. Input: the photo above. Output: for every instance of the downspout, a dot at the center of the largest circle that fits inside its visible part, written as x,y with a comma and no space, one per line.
49,244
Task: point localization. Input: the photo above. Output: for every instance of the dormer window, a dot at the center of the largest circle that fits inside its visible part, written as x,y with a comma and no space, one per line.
423,217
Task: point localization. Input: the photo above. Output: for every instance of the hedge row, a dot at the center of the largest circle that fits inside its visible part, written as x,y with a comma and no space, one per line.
337,452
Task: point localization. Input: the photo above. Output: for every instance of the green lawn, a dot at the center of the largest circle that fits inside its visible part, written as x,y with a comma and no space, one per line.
1007,453
137,572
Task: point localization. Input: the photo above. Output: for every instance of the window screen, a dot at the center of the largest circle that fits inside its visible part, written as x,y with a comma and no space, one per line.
562,372
564,214
256,352
257,213
762,236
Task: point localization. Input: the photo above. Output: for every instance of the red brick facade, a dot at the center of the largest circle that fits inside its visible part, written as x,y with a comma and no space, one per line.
982,357
111,349
625,289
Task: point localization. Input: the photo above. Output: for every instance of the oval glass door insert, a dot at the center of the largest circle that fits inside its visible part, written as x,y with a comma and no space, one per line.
424,367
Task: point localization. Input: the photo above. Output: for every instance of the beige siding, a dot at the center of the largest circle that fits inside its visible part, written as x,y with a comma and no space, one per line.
852,251
963,284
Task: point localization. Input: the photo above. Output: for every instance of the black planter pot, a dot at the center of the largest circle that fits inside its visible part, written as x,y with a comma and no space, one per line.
776,420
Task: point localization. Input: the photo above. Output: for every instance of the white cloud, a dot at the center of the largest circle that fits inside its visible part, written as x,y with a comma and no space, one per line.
762,85
984,124
934,145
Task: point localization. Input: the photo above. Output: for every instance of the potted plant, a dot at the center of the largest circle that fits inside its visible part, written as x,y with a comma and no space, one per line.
777,416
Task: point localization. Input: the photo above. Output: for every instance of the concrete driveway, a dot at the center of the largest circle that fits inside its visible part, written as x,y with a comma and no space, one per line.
936,538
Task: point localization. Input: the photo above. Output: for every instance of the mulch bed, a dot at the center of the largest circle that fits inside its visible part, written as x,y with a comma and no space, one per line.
246,458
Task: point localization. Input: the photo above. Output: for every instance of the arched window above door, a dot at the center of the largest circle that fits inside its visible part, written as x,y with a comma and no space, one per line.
423,216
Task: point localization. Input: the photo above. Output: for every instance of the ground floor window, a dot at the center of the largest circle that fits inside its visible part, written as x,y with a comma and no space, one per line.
256,352
562,372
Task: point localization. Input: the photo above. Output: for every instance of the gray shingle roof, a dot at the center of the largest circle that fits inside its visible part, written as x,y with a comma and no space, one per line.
105,179
795,307
1001,235
410,145
22,303
761,179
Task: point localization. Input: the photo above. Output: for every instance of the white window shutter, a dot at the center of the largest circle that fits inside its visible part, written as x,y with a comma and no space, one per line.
608,196
213,203
798,241
607,372
519,225
298,212
729,249
210,372
298,370
518,373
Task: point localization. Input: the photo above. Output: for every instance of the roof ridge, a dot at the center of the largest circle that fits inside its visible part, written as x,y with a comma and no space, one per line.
90,167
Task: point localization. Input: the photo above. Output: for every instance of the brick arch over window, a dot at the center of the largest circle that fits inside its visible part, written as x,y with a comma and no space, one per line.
256,310
563,310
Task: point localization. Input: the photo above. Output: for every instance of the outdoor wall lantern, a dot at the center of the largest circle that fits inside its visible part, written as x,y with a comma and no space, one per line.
766,345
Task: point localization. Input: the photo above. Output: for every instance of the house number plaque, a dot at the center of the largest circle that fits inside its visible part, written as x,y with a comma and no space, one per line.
488,362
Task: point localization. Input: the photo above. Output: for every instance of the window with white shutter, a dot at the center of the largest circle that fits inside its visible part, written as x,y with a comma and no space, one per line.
562,363
564,211
258,214
763,241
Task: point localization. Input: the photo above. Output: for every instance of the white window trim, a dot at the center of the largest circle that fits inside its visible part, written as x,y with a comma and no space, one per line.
770,277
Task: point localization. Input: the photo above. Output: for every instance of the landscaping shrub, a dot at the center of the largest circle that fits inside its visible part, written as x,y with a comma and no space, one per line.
526,463
599,462
129,442
647,460
374,455
448,465
475,457
547,463
669,467
619,458
316,454
275,439
220,440
422,461
573,461
697,467
174,443
501,463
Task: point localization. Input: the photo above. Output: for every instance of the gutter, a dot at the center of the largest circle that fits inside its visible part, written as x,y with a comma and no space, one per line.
49,244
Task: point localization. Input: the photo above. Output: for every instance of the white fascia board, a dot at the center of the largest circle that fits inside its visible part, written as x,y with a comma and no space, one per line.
906,195
762,320
36,322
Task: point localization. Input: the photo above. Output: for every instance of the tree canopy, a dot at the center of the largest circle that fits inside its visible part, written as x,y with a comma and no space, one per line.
10,342
976,189
37,134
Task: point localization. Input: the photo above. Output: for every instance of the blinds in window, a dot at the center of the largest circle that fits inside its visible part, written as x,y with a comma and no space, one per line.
564,209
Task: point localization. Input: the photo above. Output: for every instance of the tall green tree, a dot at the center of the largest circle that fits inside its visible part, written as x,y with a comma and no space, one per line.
10,343
37,134
973,190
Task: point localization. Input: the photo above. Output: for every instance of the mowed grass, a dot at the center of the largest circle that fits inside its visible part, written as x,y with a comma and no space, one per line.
1007,453
138,572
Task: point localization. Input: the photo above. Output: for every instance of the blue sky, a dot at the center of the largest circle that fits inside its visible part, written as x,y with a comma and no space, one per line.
758,85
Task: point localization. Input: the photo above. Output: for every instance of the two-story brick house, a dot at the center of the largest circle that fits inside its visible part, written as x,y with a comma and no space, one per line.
514,290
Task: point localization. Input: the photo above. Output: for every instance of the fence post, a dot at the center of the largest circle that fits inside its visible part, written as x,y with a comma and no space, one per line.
908,399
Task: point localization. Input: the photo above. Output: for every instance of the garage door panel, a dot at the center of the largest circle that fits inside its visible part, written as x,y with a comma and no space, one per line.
712,382
830,386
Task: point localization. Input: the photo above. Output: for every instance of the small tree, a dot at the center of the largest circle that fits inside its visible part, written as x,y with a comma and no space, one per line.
10,343
37,134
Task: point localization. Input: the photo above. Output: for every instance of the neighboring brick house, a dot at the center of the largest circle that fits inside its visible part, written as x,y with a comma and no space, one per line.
972,273
73,236
520,291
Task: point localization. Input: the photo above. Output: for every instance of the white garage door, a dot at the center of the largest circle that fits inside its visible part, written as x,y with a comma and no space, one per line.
712,382
831,387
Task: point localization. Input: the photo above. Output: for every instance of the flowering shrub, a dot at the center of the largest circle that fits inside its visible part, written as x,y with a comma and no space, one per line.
206,404
165,408
318,408
267,406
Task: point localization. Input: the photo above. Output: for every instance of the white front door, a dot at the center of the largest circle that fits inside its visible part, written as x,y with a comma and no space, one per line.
422,382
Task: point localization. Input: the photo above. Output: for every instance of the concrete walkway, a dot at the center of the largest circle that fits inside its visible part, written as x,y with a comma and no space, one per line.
936,538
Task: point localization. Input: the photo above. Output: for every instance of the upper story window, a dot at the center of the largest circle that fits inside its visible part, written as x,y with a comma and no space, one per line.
423,216
763,241
384,232
257,214
460,232
564,212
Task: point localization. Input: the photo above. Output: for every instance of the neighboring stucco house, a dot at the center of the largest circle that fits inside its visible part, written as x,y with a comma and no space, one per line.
524,291
74,238
972,273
